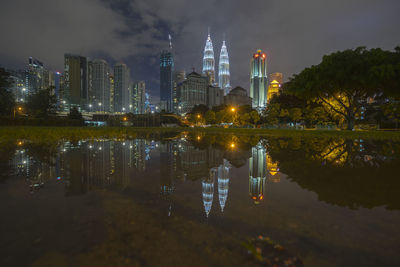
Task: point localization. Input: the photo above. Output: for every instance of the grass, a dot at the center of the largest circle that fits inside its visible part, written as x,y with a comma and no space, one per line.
51,134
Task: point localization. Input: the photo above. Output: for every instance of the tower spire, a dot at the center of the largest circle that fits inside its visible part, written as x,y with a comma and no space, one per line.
170,41
208,60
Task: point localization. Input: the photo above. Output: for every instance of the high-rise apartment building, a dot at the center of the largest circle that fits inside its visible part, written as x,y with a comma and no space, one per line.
122,98
139,97
258,80
99,86
75,82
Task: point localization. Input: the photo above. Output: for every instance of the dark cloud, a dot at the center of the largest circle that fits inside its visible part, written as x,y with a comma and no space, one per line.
295,34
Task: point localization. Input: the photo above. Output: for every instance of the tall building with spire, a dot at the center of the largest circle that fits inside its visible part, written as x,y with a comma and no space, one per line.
223,70
208,61
258,80
166,78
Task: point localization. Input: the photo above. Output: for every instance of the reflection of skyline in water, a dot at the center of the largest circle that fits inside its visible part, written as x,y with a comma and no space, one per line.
86,165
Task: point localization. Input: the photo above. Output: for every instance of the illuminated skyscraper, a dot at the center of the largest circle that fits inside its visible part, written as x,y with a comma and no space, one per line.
208,61
257,172
223,70
258,80
166,79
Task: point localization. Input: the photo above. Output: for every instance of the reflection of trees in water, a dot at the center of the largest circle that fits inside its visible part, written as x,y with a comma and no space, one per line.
345,172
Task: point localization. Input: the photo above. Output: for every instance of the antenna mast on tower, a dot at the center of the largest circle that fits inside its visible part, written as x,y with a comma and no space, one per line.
170,41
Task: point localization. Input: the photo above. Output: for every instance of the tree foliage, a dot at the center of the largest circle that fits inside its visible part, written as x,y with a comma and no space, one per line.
344,80
41,103
7,101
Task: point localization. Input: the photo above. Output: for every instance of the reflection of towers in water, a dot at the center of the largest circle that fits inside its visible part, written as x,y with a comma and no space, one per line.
140,154
257,172
208,190
223,183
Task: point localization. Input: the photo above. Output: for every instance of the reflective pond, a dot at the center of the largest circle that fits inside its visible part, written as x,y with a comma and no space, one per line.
200,200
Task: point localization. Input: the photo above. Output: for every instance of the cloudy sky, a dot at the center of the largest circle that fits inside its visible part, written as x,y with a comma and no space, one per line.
294,33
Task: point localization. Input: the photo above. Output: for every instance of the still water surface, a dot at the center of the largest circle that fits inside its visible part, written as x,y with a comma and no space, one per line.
200,200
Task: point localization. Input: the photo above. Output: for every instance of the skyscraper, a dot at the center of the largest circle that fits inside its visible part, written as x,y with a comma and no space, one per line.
75,81
99,86
208,61
166,79
258,80
139,97
223,70
121,88
179,76
34,80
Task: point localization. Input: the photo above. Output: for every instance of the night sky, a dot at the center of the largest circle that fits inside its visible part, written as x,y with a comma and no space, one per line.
294,33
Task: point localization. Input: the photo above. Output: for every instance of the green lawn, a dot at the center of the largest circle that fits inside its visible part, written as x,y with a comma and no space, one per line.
48,134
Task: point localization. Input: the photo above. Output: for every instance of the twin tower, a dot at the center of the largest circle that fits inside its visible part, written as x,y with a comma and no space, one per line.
223,67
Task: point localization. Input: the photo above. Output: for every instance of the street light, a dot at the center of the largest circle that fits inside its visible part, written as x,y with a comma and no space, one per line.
233,109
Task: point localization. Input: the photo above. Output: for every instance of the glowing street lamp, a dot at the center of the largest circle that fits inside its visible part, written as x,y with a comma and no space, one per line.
233,109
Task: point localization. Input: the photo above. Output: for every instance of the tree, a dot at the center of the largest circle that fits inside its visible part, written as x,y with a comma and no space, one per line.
41,103
295,114
221,116
244,118
199,109
271,114
7,101
344,80
210,117
74,114
255,117
392,111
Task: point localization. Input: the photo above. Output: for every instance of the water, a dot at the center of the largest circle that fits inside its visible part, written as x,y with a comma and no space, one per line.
200,200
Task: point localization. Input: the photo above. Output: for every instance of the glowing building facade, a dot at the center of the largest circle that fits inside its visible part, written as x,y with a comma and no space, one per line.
258,80
223,70
275,83
208,61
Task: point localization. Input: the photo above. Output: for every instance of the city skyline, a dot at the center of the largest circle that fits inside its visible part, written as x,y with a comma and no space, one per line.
335,26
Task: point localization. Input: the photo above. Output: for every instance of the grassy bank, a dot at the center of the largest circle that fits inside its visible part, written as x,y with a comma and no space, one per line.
48,134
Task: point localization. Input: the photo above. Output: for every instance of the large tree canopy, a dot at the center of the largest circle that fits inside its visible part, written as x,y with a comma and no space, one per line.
344,80
7,101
